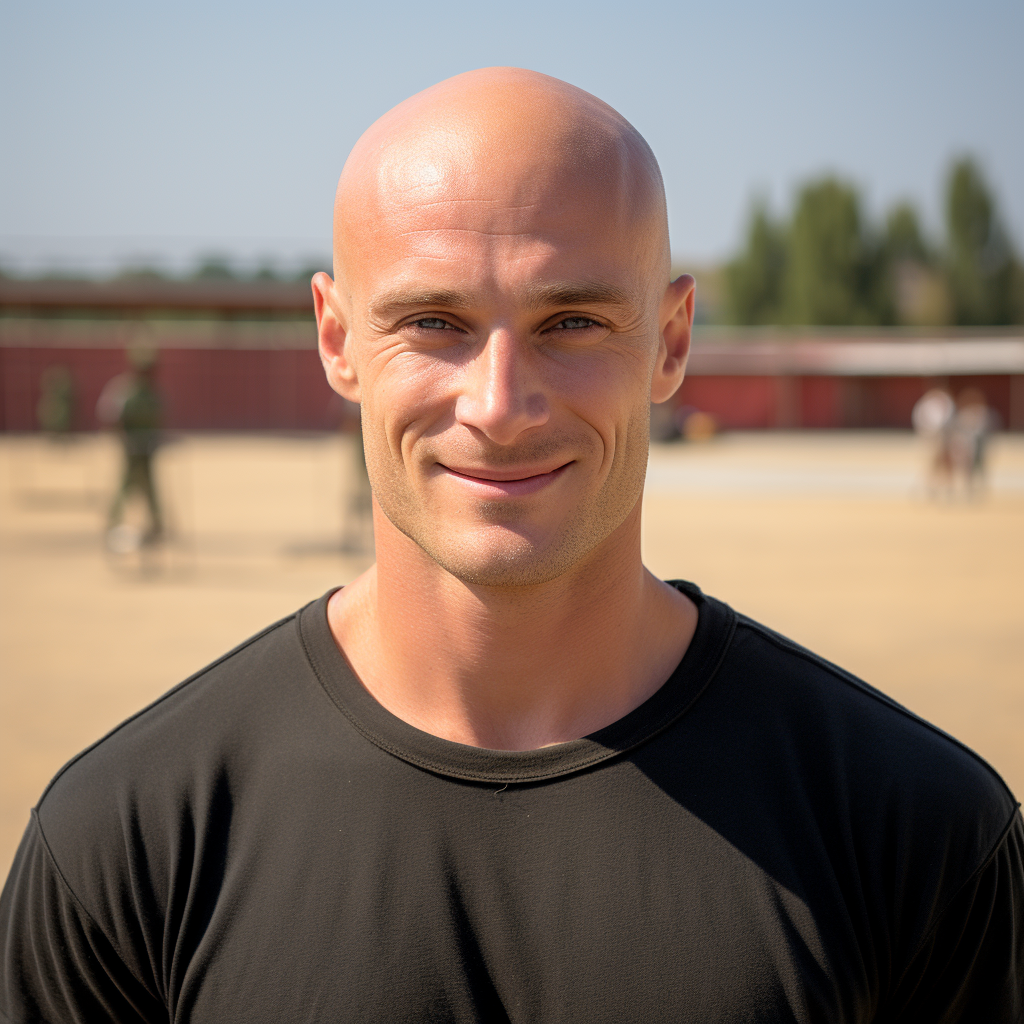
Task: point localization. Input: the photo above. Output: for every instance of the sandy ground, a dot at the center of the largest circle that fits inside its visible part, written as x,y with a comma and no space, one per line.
828,538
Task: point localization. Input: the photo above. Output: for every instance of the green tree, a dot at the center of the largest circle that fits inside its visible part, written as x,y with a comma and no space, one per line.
984,276
266,272
314,266
904,239
214,267
753,281
833,268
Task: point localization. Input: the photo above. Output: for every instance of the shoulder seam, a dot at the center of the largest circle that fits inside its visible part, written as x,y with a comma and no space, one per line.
784,643
985,862
159,700
80,903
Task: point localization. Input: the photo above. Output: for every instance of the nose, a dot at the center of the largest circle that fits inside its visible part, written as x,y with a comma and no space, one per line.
500,394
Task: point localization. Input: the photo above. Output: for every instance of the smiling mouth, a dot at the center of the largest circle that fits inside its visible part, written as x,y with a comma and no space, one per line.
514,481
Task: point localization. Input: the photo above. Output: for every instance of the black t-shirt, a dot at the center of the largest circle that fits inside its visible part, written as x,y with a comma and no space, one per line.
765,839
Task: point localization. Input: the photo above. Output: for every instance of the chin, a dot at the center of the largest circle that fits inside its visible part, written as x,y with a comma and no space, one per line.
503,557
510,554
502,575
515,563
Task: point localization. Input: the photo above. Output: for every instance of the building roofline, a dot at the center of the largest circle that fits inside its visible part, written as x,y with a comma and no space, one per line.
224,297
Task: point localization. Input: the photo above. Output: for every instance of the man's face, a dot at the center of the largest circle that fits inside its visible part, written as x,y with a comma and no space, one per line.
503,341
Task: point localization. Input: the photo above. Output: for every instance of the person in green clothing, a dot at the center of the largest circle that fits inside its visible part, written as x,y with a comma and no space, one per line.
131,403
357,514
55,411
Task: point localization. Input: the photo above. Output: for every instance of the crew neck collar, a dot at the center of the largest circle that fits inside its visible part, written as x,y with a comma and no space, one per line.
715,625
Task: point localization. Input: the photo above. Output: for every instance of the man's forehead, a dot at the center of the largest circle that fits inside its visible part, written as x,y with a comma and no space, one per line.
479,246
522,261
483,260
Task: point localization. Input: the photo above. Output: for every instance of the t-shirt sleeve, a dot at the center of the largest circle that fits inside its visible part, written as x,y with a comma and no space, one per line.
970,967
56,964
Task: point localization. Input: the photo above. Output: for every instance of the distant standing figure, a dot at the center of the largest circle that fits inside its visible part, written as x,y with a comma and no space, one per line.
55,412
933,420
357,525
971,427
131,403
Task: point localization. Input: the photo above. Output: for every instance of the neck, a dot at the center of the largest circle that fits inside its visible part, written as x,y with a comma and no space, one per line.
511,668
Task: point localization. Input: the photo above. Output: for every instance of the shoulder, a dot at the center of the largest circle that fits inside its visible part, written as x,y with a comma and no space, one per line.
859,746
190,710
858,721
840,778
152,771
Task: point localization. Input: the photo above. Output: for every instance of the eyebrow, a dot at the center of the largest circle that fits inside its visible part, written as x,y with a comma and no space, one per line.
580,294
567,294
397,300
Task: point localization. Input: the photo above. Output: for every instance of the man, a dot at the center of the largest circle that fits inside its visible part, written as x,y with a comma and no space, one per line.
130,401
55,410
506,774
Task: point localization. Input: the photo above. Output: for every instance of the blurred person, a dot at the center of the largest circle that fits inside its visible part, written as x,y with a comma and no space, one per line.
932,419
131,403
695,425
971,426
357,513
507,774
664,425
55,411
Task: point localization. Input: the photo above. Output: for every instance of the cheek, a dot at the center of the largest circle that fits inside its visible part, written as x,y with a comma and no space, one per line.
410,397
611,395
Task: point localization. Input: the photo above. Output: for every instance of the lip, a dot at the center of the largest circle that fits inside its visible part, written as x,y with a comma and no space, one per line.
513,482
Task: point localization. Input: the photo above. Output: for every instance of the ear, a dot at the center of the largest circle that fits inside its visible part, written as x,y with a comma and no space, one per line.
676,319
332,333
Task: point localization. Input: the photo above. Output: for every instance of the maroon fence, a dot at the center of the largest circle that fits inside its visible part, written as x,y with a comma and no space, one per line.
285,389
207,389
242,357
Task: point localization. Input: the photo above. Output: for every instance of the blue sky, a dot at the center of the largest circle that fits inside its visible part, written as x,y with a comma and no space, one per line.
135,131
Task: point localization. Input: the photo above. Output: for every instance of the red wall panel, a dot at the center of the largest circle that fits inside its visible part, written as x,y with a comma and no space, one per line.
285,389
740,403
202,389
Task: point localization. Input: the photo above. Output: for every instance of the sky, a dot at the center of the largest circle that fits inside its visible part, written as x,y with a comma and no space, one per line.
137,133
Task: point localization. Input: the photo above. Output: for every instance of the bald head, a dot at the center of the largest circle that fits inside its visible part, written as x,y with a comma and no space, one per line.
517,150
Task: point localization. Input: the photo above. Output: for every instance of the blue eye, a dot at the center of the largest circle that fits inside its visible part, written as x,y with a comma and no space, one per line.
433,323
574,323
